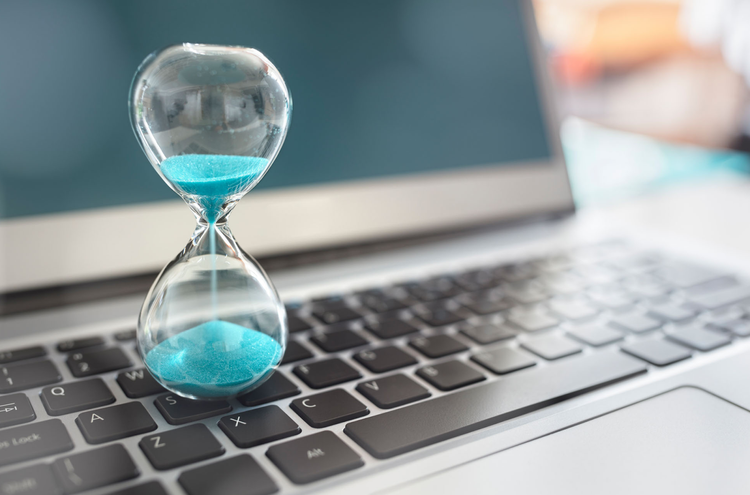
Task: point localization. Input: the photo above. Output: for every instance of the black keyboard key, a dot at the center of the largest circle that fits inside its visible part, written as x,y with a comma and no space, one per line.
552,346
76,344
339,340
515,272
425,423
323,374
297,324
658,352
527,292
15,409
635,322
721,298
392,391
573,308
179,410
295,352
334,301
596,335
485,303
94,469
125,335
532,321
329,408
617,300
89,363
740,327
437,346
699,338
487,333
390,328
314,457
21,354
670,312
76,396
150,488
381,303
258,426
111,423
503,360
238,475
638,262
715,285
439,316
33,441
138,383
476,280
181,446
27,375
686,276
562,283
330,315
33,480
384,359
598,274
434,289
275,388
450,375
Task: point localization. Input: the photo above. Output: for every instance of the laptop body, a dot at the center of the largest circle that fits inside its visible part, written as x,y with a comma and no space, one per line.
509,213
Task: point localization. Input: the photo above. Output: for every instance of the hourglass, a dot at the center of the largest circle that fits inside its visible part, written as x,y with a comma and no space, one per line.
211,120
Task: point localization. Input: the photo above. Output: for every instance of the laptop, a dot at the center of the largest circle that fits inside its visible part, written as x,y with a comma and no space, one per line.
453,326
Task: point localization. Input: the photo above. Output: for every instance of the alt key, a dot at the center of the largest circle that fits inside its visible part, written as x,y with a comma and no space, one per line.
314,457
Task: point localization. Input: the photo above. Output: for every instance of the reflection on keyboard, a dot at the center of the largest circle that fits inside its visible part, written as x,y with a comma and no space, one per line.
398,368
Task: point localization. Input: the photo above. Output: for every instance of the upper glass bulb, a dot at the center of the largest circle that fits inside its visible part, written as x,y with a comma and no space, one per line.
211,119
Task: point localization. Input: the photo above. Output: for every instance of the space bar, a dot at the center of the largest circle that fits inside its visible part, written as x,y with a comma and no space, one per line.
425,423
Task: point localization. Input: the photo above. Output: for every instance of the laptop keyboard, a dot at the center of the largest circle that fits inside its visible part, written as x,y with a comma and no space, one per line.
366,376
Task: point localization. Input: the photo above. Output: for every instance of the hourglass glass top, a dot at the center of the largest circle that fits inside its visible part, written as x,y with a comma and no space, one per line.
211,120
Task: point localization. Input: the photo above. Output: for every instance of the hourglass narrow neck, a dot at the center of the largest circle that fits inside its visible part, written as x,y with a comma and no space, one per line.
212,239
211,211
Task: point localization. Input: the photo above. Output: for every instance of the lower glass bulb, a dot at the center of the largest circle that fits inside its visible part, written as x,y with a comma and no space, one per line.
212,326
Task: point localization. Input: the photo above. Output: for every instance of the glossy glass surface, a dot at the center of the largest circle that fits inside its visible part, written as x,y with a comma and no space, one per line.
211,120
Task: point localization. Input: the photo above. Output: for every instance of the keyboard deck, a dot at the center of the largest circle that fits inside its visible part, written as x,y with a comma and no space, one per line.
366,376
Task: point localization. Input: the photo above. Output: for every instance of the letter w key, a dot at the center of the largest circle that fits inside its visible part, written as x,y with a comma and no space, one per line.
138,383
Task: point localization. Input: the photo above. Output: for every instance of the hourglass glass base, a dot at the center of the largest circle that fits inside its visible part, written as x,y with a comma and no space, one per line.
214,360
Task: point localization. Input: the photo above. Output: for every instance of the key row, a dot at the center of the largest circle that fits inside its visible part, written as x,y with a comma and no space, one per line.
303,460
22,376
492,290
97,361
66,346
341,337
64,399
89,394
325,454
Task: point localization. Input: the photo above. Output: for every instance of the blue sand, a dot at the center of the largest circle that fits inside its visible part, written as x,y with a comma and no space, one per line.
213,177
215,359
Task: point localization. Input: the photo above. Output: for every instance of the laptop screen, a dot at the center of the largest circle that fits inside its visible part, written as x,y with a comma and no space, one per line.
409,117
380,88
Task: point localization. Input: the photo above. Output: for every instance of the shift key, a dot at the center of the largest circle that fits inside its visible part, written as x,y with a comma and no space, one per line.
33,441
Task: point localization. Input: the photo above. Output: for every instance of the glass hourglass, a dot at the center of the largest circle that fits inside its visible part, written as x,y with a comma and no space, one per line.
211,120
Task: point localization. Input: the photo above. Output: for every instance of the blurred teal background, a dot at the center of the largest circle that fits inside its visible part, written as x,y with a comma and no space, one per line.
606,166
